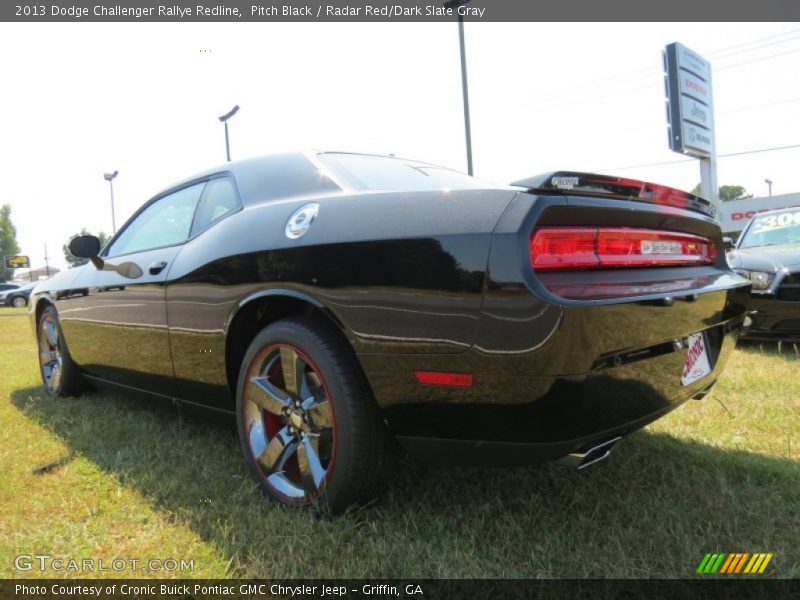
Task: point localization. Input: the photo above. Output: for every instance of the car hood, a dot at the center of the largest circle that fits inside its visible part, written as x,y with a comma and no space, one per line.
769,259
59,281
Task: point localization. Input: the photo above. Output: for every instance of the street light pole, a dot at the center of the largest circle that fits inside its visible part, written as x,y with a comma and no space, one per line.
455,4
109,177
224,118
769,185
465,91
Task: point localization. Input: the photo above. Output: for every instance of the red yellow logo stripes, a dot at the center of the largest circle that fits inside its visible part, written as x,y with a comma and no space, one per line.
735,562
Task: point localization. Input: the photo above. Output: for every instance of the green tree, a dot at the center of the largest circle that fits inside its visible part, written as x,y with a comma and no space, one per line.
8,241
77,262
727,192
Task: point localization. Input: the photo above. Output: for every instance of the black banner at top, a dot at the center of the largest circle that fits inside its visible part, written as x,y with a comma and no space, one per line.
398,10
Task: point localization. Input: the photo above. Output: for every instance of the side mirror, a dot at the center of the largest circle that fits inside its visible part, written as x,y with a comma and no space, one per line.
84,246
728,243
87,246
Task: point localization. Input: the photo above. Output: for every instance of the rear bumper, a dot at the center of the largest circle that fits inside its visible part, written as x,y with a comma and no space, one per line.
492,453
578,386
535,419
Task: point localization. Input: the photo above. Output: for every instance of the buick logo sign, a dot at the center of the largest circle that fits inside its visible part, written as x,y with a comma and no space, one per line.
300,221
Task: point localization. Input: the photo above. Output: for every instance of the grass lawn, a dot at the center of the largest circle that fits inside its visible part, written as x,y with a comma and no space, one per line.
104,477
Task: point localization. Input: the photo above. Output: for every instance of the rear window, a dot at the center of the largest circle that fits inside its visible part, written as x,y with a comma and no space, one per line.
384,173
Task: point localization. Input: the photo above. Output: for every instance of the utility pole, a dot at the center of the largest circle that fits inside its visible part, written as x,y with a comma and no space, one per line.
46,263
456,4
769,186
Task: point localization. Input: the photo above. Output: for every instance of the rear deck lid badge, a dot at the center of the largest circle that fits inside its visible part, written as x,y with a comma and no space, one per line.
565,183
300,221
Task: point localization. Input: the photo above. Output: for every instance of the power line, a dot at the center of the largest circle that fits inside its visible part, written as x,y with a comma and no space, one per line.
759,59
755,106
556,102
726,54
631,76
759,150
651,124
682,160
751,42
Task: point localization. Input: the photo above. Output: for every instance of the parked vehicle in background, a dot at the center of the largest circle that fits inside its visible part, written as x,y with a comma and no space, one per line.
334,304
5,288
18,297
768,253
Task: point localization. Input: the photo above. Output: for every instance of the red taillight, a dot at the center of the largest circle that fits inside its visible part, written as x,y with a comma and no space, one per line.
603,247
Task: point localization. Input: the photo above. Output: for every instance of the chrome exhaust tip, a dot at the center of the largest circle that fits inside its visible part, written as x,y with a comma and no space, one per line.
586,458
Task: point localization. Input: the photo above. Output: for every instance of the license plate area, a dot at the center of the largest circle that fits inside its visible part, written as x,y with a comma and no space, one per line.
698,362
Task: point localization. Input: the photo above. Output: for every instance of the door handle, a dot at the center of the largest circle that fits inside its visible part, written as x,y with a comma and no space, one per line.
157,267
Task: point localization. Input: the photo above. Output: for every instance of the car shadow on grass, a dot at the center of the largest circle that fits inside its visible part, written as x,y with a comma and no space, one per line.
652,510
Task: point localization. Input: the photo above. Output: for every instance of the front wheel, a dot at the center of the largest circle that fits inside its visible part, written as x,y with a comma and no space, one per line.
60,375
309,428
19,302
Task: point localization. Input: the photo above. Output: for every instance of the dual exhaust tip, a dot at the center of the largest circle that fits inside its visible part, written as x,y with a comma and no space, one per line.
590,456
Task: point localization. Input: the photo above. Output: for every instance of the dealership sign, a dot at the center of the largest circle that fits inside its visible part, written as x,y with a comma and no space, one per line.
735,214
17,262
690,109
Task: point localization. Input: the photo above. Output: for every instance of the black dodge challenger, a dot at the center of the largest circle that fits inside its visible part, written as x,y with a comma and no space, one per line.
338,303
768,253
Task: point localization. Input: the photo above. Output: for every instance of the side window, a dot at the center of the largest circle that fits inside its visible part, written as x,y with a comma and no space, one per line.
218,199
166,221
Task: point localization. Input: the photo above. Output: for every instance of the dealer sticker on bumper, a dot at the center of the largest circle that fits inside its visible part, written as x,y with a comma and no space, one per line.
697,365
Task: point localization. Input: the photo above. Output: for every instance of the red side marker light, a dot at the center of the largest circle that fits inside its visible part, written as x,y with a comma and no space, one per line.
446,379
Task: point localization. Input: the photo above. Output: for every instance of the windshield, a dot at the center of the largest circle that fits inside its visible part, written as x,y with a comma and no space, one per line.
386,173
769,230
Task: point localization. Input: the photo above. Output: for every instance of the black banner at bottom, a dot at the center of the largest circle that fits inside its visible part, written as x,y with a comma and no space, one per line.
381,589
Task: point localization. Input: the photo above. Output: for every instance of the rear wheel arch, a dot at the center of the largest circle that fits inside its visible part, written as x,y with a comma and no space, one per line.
261,309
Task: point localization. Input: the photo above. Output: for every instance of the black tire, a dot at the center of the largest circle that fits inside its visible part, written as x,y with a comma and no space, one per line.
328,413
19,302
60,375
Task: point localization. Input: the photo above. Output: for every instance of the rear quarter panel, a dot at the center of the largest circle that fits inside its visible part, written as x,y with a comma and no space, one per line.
402,272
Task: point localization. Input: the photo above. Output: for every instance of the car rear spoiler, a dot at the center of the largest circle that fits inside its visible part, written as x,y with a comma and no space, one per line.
606,186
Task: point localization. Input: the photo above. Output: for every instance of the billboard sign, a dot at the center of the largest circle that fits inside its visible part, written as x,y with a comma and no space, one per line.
735,214
690,107
18,261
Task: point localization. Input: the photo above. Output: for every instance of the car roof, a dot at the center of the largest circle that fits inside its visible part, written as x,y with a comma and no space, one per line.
276,171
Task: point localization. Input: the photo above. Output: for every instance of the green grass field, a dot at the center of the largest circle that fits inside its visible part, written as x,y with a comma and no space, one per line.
107,477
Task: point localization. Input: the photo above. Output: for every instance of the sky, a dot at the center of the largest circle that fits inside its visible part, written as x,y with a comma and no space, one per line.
82,99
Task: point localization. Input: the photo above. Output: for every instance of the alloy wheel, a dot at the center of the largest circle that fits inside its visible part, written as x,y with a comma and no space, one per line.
289,423
50,357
